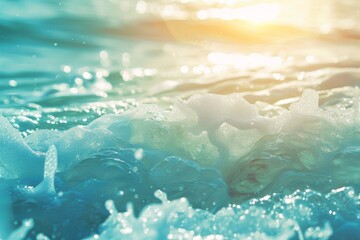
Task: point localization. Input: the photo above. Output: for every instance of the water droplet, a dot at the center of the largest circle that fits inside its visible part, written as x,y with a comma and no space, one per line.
12,83
139,154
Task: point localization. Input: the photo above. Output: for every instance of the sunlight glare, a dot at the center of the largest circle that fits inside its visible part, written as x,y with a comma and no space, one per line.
258,13
241,61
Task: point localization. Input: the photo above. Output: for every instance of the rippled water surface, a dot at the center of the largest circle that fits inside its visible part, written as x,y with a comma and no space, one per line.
185,119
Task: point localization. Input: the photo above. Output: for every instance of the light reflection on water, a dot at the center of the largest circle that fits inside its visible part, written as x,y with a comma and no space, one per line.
65,64
70,67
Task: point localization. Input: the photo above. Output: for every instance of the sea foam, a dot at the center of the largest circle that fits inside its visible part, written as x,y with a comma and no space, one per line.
203,156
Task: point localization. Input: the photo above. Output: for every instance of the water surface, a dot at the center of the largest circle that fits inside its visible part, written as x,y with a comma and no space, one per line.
179,119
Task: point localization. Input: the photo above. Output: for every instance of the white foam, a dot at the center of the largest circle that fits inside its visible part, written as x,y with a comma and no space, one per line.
16,157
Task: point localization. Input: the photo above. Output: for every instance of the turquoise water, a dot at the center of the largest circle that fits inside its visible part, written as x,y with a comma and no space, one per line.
179,119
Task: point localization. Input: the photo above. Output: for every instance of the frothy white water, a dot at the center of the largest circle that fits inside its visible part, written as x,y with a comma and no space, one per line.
90,123
254,152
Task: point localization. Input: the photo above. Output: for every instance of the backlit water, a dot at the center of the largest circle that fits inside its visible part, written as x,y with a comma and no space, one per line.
179,119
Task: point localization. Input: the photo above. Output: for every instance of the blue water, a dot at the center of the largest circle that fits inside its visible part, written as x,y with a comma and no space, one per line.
178,120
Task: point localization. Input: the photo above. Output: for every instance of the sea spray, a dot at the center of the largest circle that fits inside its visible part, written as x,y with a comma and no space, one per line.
271,217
